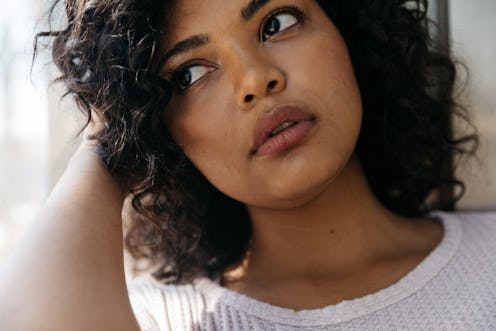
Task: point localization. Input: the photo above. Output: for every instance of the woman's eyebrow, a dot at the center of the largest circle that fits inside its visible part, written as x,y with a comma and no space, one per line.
184,46
251,8
199,40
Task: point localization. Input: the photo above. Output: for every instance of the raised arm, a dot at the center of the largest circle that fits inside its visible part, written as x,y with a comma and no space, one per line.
68,273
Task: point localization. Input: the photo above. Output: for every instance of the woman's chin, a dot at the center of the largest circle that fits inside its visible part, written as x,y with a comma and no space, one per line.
292,194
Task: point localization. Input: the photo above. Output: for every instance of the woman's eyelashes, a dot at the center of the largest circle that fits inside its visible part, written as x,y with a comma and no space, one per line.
280,20
273,24
189,74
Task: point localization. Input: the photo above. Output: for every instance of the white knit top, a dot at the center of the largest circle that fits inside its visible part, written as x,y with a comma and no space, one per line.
454,288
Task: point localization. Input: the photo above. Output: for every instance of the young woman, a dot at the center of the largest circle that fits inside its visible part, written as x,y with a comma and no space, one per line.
283,160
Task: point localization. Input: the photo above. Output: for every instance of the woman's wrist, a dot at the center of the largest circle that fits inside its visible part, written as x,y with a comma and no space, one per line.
87,163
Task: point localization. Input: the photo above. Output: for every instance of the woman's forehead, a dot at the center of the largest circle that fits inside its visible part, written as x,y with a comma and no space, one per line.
243,6
187,8
191,17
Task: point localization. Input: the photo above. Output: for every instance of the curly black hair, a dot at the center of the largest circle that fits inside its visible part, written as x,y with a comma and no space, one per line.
182,224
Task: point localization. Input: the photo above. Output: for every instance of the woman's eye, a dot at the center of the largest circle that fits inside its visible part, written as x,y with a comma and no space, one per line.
186,77
279,22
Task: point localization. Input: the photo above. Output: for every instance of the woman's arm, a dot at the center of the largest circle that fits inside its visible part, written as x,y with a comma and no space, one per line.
68,271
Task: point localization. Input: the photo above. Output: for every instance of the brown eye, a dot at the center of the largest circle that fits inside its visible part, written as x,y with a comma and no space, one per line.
187,76
272,27
278,22
184,78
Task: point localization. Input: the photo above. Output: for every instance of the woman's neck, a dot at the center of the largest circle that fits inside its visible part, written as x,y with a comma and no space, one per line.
339,233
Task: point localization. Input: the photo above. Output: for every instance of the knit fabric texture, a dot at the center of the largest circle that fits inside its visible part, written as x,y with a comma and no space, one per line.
453,288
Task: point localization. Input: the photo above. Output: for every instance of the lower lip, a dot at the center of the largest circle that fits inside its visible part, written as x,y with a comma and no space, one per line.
285,139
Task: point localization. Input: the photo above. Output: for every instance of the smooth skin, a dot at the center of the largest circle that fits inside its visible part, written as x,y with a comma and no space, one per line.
320,235
68,272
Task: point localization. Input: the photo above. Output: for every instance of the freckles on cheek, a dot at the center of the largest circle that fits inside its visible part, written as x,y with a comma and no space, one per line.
184,124
201,139
190,138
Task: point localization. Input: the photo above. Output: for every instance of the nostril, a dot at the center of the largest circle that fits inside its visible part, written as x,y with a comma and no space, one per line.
249,98
272,84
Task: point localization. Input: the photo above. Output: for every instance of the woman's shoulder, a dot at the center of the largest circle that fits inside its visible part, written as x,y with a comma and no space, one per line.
469,247
149,287
159,306
473,216
475,230
480,225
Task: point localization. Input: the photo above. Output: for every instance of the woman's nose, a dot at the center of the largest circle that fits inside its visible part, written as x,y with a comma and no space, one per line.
258,79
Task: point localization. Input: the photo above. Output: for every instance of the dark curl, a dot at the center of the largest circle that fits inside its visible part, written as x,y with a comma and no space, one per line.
183,225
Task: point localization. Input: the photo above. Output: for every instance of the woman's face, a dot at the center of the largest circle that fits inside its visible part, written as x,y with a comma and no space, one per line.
266,104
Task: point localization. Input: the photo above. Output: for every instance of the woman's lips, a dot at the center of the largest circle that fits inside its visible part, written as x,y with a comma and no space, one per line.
297,125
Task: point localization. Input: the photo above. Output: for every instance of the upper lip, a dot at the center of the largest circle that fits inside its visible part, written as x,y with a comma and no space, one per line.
267,123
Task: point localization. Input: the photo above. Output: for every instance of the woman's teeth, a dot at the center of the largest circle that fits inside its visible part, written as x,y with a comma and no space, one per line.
282,127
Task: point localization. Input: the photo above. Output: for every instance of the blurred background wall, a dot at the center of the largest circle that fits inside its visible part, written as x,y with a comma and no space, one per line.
38,132
472,29
24,164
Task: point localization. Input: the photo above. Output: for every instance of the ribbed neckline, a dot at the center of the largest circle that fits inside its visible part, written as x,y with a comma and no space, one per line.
348,309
